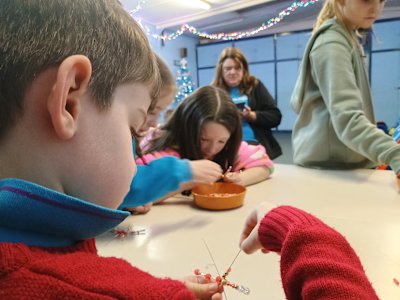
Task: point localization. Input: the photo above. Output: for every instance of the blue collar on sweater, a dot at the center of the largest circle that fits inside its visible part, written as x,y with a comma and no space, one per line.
38,216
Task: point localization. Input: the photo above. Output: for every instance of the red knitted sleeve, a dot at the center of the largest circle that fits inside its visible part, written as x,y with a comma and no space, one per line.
316,261
78,273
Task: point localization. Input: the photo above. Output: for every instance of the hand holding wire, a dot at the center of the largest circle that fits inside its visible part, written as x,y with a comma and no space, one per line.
222,280
233,177
226,172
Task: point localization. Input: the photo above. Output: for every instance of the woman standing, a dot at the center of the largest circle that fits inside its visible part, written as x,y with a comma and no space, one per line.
257,107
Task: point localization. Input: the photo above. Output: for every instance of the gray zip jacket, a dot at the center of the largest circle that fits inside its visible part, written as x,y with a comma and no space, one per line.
335,127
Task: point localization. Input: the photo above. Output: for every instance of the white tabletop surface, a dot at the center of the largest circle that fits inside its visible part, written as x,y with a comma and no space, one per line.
364,205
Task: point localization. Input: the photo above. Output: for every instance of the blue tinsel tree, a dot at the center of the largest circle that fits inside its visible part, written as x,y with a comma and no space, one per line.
184,83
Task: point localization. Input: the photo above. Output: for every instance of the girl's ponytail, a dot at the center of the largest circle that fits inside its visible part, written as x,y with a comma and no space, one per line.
328,11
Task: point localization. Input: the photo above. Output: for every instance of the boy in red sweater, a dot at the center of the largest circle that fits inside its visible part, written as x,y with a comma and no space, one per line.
70,98
77,78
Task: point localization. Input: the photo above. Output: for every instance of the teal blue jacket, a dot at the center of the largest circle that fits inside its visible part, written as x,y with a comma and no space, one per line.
335,127
157,179
38,216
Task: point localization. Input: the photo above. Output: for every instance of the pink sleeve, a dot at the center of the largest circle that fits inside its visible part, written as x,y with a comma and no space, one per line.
251,156
145,159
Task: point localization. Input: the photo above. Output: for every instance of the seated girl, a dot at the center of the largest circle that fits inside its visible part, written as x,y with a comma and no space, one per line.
148,185
206,125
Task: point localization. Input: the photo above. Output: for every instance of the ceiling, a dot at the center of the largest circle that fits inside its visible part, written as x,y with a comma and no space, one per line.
232,15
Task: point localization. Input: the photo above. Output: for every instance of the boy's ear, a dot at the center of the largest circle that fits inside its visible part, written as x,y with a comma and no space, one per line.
64,101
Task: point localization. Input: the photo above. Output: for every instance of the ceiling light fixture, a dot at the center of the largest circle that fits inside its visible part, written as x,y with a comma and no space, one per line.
195,4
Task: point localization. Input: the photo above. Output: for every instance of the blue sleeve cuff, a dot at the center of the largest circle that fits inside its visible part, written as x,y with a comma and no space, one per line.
157,179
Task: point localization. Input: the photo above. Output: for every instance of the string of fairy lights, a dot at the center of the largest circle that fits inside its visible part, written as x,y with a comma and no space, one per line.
221,35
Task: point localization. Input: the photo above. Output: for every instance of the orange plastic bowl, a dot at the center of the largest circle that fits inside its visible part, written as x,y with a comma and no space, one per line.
219,196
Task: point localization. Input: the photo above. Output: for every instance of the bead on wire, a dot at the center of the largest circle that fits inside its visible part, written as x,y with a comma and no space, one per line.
123,232
223,281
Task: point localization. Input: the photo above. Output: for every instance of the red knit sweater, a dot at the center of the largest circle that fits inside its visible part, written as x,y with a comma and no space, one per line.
316,263
77,273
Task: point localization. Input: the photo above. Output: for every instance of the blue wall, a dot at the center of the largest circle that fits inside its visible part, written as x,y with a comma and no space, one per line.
384,59
275,60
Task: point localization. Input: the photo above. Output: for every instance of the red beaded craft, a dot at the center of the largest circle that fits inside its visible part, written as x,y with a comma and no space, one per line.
223,281
123,232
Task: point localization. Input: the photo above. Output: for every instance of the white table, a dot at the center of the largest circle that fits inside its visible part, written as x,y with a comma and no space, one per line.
364,205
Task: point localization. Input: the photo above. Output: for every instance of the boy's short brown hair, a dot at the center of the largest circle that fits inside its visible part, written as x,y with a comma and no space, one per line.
38,34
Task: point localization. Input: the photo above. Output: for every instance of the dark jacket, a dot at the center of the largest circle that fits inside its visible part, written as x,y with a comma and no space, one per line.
268,116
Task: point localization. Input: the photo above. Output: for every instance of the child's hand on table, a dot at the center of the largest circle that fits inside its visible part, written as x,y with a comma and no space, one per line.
233,177
143,209
249,241
202,288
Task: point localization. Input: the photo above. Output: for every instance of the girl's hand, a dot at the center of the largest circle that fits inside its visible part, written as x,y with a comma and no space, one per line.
249,241
202,288
248,114
143,209
233,177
